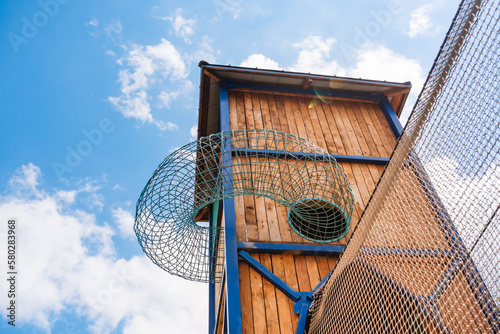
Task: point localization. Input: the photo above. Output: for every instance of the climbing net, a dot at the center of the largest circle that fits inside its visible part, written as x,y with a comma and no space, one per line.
425,256
283,167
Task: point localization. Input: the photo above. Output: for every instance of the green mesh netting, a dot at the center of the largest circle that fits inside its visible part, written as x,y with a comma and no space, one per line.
283,167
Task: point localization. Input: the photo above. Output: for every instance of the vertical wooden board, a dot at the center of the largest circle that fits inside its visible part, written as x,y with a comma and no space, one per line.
312,271
240,108
273,113
388,141
314,112
295,116
360,182
262,223
352,137
257,112
258,306
367,177
272,218
323,267
241,226
358,200
251,218
335,108
247,99
291,280
330,145
285,229
245,298
365,111
391,137
266,116
374,172
273,224
302,273
334,131
285,312
273,326
306,119
360,135
287,113
332,261
358,113
233,112
281,114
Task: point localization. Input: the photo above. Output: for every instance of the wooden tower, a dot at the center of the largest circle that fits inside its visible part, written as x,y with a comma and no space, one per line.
270,271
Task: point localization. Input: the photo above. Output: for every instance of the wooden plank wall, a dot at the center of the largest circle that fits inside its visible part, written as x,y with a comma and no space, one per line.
339,127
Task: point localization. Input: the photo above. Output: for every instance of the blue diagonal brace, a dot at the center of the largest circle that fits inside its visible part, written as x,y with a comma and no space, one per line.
269,276
301,300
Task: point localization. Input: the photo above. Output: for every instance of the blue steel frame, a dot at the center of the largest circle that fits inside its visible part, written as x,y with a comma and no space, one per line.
314,156
295,249
232,313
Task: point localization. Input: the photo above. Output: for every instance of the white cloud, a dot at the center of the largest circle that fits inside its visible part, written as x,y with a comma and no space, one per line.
26,179
372,61
183,27
114,29
166,125
260,61
233,7
420,22
76,269
93,22
125,222
165,98
314,56
194,132
144,69
205,51
380,63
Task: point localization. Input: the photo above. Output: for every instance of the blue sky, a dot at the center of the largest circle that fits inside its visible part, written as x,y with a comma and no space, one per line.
93,96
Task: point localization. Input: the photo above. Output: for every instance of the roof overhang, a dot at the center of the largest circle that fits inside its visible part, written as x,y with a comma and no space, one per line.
211,75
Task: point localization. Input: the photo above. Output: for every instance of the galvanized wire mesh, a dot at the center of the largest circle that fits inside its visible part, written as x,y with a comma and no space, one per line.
283,167
425,256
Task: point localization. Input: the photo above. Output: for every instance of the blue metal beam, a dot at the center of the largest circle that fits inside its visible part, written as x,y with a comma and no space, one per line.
295,249
391,116
312,156
301,326
269,276
233,306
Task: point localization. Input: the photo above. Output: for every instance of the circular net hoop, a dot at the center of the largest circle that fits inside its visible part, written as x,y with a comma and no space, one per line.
283,167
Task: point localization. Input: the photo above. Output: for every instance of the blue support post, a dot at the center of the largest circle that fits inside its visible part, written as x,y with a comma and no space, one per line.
391,116
233,306
301,326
